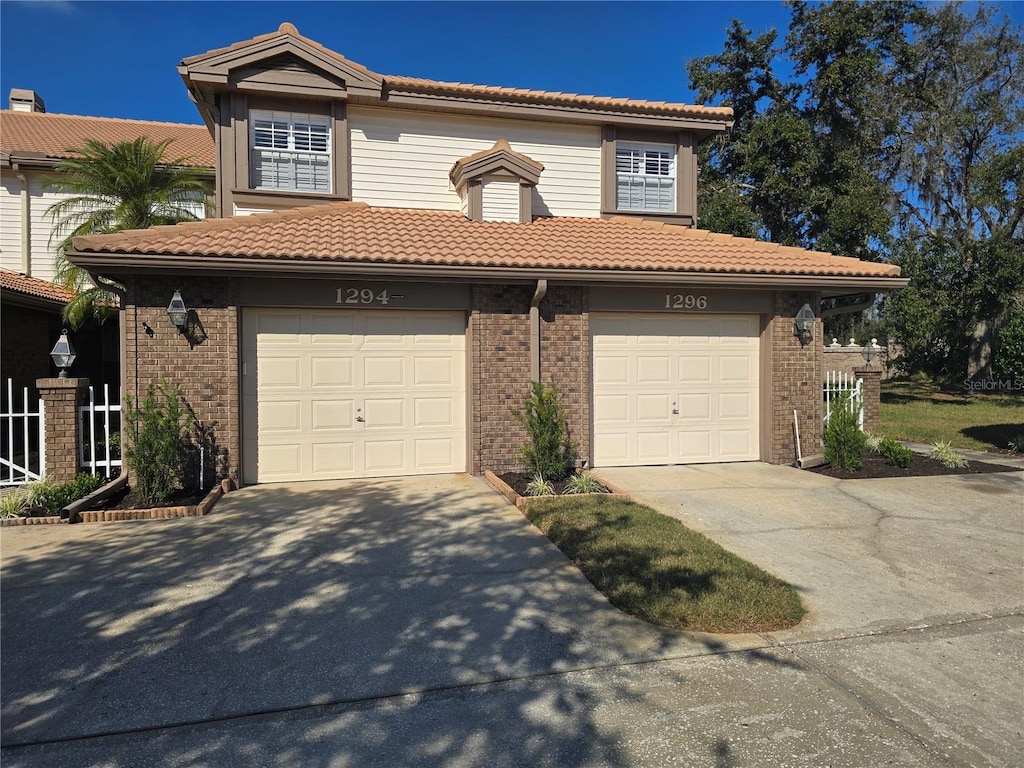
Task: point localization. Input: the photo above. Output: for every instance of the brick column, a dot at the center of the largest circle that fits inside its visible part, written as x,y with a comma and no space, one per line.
61,398
872,394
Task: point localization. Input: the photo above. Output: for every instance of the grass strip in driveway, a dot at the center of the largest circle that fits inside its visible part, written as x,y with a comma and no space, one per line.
656,569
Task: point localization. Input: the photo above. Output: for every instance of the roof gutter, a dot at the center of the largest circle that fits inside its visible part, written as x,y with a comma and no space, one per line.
848,309
122,263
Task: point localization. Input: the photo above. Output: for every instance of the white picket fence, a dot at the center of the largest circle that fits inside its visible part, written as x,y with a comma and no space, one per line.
840,385
23,439
98,453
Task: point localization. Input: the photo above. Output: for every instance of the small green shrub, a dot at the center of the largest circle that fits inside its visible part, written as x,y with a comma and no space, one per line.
871,442
549,451
37,492
844,441
539,487
157,438
895,452
944,454
59,496
13,504
584,483
1009,355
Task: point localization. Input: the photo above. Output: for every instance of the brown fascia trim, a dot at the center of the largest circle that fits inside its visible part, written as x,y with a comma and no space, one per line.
133,263
13,298
277,197
37,161
499,160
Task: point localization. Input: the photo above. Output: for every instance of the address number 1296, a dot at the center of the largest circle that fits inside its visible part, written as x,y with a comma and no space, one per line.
685,301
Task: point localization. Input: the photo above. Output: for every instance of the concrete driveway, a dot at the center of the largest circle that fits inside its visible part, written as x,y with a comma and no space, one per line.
425,622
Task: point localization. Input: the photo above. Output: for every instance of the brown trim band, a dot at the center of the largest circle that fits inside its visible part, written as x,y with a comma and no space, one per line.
225,265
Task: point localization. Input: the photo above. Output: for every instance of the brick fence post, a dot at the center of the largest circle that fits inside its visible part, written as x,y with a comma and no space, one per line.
61,398
872,394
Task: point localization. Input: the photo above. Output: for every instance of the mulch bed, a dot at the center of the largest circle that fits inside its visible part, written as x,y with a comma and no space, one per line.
126,498
518,481
875,465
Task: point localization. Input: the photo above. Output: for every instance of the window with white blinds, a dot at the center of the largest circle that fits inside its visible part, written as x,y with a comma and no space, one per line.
290,151
645,177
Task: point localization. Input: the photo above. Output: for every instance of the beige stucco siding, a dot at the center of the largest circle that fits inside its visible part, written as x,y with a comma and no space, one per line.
402,159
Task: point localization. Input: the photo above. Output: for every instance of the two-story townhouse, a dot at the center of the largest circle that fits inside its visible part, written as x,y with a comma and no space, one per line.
417,252
32,143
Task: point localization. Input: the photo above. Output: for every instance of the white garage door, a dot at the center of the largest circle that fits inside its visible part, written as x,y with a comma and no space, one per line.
336,394
675,389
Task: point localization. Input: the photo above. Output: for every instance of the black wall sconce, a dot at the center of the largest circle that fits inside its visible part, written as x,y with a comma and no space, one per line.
63,354
803,323
178,312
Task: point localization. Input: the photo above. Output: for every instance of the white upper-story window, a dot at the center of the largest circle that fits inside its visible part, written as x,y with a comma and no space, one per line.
645,177
290,151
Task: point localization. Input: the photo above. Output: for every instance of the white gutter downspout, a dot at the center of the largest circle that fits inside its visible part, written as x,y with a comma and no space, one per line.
26,212
538,296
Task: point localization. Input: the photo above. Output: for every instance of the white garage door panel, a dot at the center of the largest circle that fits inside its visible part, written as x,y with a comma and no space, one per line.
337,394
671,389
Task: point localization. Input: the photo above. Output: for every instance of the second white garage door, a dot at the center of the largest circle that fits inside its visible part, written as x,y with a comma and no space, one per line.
675,389
337,394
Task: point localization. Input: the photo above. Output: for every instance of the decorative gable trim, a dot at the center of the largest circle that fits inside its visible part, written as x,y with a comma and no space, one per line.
220,68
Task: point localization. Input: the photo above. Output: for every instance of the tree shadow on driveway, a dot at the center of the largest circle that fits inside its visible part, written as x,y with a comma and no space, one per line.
291,599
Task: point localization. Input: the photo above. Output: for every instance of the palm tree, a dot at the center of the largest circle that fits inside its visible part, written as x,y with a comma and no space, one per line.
125,185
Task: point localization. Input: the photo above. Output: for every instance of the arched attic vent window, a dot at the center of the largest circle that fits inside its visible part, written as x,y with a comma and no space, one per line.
496,184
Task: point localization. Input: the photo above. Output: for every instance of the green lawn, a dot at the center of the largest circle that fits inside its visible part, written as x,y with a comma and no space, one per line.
922,413
657,569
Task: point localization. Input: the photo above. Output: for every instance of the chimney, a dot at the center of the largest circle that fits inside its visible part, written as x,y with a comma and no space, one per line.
23,100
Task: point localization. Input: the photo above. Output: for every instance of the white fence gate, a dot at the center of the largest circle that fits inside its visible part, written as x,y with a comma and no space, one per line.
22,439
99,443
840,385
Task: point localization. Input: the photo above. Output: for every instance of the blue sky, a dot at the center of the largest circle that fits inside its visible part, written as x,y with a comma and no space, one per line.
118,59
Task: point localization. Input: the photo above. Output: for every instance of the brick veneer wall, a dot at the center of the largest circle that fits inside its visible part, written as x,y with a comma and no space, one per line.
28,335
499,327
872,396
61,398
796,377
500,367
565,356
206,372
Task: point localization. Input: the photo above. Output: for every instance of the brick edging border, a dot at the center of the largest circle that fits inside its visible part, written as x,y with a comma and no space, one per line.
157,513
522,501
8,522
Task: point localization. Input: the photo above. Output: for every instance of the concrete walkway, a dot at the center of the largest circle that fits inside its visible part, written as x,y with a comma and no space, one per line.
425,622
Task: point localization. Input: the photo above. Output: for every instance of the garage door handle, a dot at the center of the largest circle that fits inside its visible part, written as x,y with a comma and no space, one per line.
674,409
359,415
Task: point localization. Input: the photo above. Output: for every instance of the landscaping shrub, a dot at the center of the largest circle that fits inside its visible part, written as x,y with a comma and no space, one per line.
538,486
157,440
1009,356
584,483
945,455
41,498
895,452
549,451
844,441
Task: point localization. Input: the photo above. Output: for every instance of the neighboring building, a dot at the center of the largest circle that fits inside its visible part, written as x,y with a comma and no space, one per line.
32,143
420,251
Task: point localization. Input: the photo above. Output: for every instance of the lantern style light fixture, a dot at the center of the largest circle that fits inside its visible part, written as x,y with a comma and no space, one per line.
803,323
178,312
869,351
63,354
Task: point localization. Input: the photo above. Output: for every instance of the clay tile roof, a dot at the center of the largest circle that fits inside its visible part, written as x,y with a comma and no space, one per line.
417,84
33,286
355,233
53,135
557,97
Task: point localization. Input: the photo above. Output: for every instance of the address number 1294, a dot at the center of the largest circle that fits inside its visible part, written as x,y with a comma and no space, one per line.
361,296
685,301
